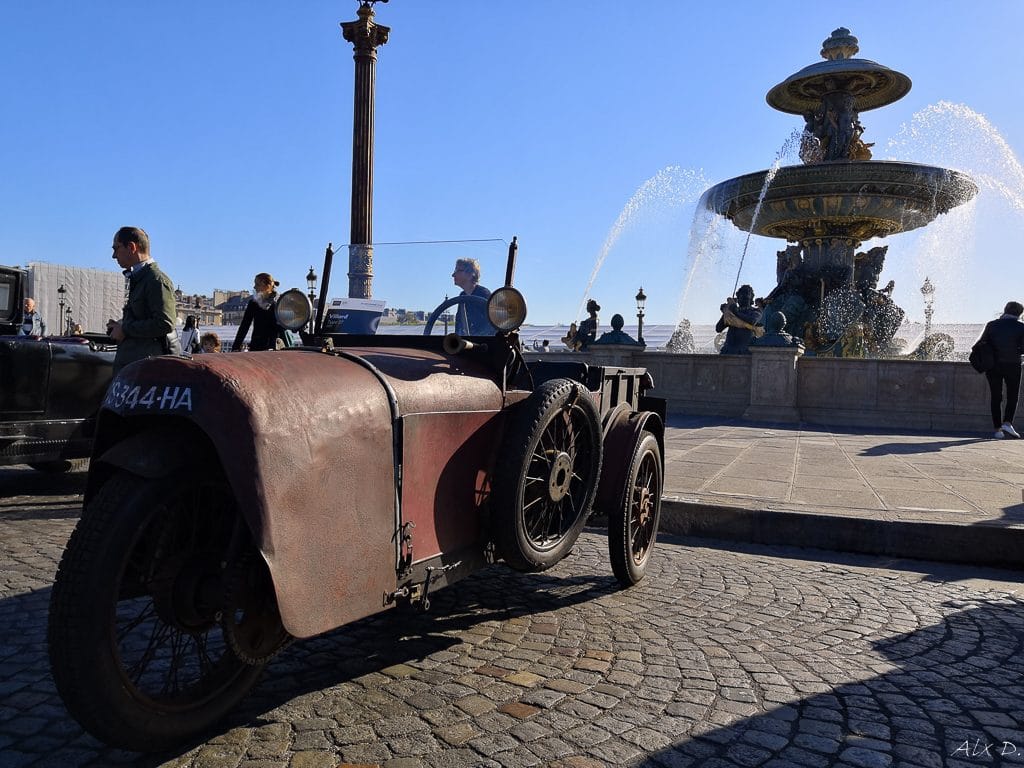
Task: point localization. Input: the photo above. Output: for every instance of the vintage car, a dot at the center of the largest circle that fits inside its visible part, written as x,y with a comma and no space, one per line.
236,502
50,388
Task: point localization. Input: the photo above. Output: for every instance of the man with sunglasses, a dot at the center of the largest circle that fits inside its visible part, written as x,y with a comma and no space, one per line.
471,316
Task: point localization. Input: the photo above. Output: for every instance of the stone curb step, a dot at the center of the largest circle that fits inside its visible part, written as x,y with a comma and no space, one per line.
983,545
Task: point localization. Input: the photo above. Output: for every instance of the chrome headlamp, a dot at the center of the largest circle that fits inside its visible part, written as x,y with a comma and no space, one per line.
506,309
293,309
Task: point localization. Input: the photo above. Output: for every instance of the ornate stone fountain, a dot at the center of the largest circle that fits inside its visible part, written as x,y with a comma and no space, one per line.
838,198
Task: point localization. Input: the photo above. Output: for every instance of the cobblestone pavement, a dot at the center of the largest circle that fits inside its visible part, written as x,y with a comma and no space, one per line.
742,657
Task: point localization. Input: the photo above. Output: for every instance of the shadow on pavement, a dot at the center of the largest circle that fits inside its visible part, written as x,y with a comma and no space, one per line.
1013,514
951,697
23,481
48,510
889,449
360,649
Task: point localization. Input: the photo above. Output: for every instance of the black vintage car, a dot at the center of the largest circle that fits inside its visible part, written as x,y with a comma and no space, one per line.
50,388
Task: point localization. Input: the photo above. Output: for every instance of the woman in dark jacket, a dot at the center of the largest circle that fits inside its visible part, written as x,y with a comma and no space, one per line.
1006,337
259,313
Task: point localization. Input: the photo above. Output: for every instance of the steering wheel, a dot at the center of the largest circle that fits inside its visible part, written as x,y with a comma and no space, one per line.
462,298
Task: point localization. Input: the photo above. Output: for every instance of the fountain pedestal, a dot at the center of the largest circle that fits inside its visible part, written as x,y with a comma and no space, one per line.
773,384
821,253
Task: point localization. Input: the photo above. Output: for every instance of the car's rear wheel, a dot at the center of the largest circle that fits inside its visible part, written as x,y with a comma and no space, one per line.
633,524
141,629
549,467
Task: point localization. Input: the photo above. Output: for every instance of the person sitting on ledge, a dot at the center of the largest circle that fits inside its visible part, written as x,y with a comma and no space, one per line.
741,318
616,335
587,331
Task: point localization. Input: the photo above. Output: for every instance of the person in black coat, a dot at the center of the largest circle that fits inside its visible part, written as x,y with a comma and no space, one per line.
1006,337
259,313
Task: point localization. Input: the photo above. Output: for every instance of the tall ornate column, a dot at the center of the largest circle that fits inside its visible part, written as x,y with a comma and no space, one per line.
365,36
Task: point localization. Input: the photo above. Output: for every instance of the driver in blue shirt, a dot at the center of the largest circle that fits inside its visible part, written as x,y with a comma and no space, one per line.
471,316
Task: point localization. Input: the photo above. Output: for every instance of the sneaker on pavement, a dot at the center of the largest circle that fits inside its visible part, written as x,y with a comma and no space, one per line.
999,434
1008,429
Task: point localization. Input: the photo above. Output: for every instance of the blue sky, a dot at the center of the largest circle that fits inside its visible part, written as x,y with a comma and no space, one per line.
586,128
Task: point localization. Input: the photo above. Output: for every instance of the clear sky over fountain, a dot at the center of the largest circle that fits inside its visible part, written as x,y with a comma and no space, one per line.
587,129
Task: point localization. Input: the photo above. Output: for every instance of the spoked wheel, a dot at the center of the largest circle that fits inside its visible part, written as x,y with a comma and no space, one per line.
633,524
545,486
143,615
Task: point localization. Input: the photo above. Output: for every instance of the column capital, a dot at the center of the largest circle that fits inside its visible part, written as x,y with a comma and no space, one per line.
364,33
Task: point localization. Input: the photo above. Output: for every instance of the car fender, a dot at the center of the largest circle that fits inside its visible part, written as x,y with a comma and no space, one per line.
622,430
305,441
310,444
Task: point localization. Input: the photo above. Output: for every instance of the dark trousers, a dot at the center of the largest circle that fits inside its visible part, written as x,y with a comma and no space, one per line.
1009,375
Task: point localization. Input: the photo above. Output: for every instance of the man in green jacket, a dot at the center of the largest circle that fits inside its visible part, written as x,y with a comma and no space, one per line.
149,314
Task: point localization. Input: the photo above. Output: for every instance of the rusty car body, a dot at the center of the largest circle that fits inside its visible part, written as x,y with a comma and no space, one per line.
50,388
328,482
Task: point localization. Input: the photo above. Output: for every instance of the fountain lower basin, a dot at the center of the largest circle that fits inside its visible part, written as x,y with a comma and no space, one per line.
855,199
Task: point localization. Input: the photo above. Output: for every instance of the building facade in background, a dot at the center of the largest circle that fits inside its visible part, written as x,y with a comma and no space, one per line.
91,296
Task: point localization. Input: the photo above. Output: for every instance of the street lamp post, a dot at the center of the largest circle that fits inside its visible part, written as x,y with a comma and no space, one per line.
366,36
199,312
311,279
641,301
60,293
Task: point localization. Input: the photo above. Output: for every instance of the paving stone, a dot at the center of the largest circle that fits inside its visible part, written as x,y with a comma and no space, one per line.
492,744
592,665
399,670
457,734
866,758
266,750
403,762
551,748
524,679
474,705
518,710
576,761
413,744
528,731
543,698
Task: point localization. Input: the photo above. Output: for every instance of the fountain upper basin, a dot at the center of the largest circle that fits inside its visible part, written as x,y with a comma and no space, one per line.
856,199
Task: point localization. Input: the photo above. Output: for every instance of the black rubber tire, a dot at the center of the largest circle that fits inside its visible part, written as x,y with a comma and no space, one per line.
633,523
547,476
59,466
146,548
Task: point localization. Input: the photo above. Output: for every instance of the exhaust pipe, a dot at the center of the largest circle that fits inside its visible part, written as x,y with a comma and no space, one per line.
453,344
